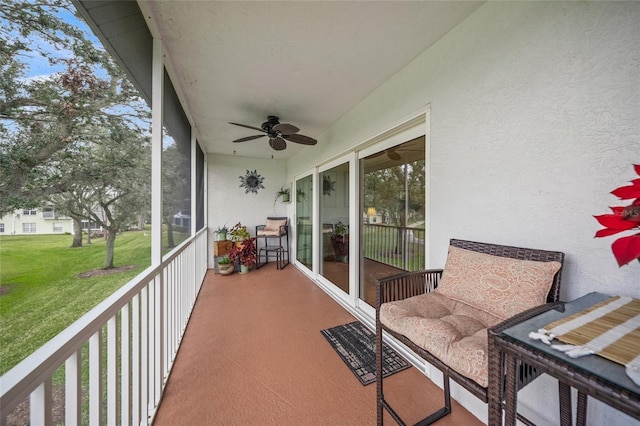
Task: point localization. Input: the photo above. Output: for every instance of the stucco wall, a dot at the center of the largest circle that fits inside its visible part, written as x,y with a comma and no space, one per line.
228,202
535,112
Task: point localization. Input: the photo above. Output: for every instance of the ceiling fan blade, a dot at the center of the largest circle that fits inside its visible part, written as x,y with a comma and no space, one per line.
286,129
393,155
249,138
304,140
277,143
248,127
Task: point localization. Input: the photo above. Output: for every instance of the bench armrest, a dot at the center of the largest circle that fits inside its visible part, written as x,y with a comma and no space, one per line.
406,284
522,316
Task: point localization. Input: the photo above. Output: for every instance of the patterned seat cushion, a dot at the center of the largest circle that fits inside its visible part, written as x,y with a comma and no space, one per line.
454,332
272,228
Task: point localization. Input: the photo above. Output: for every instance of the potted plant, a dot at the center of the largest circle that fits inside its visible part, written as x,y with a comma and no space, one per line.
284,193
245,254
340,242
300,195
225,266
239,233
221,232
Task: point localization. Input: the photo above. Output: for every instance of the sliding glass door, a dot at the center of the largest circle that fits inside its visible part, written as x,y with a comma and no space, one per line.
392,185
304,221
335,236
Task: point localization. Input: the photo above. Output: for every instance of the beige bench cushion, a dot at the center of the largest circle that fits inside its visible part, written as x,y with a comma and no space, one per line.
501,286
453,331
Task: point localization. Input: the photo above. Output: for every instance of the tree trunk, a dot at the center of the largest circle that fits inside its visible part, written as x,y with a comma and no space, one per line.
170,242
111,239
77,232
141,220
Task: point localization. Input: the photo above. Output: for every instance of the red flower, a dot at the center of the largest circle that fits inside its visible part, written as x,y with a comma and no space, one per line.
626,218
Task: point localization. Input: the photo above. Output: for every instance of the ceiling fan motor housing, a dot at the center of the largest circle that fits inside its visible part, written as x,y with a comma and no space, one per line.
272,120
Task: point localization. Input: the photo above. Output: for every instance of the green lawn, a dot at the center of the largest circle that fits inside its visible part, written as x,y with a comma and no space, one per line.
42,293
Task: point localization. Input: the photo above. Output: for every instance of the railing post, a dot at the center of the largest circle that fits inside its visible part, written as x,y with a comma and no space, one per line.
125,366
95,378
40,404
73,387
112,370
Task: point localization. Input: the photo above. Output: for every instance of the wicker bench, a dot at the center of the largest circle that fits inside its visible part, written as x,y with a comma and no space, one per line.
482,286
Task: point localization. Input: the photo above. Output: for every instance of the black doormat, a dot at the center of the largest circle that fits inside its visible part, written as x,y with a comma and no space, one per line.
355,344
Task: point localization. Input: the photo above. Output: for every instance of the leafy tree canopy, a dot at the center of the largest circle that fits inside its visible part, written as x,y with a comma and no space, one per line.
44,119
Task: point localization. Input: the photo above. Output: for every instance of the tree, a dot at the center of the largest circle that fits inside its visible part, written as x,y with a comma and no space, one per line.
175,187
110,185
46,116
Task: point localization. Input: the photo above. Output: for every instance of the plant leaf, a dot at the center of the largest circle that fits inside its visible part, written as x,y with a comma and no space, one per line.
615,221
627,192
626,249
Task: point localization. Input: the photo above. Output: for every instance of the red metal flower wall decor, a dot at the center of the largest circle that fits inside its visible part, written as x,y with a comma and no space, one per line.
627,218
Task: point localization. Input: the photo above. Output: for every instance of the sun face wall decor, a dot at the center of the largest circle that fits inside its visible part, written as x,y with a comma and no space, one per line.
251,182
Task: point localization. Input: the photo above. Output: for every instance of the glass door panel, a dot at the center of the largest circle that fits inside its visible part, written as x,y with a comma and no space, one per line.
304,221
334,221
392,185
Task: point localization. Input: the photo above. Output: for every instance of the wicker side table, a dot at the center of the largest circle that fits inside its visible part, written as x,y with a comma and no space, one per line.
591,375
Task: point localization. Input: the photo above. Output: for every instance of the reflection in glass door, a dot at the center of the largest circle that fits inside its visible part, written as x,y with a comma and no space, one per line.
304,221
334,220
393,213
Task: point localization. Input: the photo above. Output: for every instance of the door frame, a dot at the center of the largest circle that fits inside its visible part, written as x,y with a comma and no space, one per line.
354,233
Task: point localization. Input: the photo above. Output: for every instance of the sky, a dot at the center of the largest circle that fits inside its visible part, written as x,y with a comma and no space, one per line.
37,64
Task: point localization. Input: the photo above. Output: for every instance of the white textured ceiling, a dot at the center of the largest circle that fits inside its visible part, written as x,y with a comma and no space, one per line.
307,62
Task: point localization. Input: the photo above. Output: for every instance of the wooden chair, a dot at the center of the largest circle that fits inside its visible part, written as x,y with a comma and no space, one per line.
400,291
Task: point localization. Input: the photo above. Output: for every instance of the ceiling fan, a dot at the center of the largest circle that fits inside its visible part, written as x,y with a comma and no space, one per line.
391,153
279,133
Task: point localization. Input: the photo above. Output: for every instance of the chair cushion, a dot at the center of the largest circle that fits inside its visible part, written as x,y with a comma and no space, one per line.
272,228
454,332
498,285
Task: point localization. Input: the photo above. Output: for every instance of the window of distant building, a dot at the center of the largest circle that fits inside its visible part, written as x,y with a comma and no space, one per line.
57,227
29,212
89,225
29,228
1,228
48,213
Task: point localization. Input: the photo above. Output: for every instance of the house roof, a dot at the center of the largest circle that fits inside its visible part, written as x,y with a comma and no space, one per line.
307,62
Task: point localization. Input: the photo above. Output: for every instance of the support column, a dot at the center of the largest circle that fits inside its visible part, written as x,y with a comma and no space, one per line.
156,152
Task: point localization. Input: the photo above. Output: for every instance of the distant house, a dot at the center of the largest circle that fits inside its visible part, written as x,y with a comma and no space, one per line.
39,221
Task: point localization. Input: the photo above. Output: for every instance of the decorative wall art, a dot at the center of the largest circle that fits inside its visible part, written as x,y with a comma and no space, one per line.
251,182
328,187
328,184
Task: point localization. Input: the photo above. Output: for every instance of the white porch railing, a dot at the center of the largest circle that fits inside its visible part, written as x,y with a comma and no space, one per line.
398,246
130,341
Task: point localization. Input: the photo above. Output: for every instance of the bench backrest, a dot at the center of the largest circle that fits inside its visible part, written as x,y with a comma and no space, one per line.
518,253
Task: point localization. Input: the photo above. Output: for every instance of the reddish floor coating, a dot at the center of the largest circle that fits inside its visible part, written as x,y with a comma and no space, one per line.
253,354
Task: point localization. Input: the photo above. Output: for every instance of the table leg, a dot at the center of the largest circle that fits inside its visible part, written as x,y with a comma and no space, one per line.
496,377
564,396
510,391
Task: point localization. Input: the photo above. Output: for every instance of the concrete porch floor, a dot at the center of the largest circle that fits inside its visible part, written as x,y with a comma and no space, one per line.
253,354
